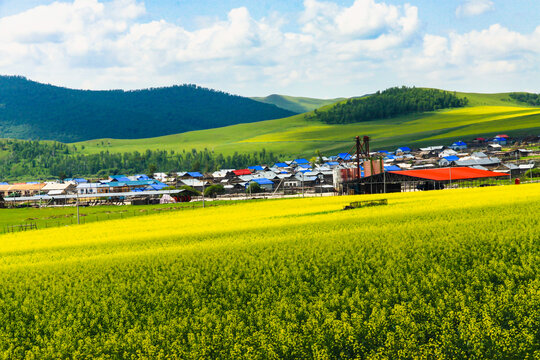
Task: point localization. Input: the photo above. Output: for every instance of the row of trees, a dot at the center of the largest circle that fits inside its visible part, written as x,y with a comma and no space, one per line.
528,98
389,103
37,159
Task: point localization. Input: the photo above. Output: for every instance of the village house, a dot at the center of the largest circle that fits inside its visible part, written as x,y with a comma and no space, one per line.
52,189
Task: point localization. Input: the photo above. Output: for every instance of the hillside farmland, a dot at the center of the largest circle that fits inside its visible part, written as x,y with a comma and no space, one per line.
425,276
299,135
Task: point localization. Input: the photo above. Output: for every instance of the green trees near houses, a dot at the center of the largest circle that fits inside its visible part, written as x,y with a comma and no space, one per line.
214,190
38,159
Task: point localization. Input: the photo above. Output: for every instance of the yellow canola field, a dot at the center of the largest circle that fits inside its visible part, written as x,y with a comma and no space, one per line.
432,275
264,221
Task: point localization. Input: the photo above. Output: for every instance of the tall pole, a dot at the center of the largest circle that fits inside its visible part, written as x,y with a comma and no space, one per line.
302,184
358,157
78,215
384,179
203,191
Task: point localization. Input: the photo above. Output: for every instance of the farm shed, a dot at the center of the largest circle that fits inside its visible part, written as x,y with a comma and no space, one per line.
264,183
59,188
241,172
458,145
425,179
300,161
403,150
21,189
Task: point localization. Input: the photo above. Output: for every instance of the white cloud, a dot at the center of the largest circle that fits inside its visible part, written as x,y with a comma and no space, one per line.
495,57
88,43
474,8
336,50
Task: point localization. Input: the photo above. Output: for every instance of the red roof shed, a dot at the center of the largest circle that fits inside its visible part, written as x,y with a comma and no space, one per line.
445,174
242,172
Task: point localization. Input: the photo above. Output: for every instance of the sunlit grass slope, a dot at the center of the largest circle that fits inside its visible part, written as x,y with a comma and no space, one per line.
296,104
488,115
442,274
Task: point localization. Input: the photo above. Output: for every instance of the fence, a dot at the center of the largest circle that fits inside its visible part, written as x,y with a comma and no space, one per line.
19,228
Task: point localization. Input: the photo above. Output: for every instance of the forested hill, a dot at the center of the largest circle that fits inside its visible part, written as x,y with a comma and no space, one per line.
389,103
30,110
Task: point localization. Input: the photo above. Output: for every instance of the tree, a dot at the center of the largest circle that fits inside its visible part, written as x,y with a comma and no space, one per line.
189,190
214,190
254,188
151,170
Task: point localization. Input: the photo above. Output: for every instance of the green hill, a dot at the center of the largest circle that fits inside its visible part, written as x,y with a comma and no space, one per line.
296,104
486,115
30,110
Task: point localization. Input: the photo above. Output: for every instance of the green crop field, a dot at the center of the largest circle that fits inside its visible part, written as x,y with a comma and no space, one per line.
487,115
424,277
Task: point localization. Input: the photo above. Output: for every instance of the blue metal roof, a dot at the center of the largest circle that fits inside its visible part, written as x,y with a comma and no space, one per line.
344,156
121,178
305,166
383,152
4,183
256,167
80,180
300,161
404,148
281,165
451,158
133,183
262,181
459,143
158,186
332,163
392,168
195,174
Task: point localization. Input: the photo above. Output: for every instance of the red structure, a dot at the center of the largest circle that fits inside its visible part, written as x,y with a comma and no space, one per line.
242,172
449,174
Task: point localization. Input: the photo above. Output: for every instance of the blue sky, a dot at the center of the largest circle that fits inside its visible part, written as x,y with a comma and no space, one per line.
258,47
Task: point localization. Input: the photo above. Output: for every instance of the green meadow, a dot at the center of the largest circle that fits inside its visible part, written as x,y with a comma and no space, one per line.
48,217
486,115
296,104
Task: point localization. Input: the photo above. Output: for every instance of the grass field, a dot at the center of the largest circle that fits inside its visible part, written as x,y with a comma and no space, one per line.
487,115
296,104
47,217
427,276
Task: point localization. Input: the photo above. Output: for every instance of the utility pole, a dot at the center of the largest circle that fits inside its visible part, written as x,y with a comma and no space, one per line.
203,191
358,157
384,179
302,184
78,214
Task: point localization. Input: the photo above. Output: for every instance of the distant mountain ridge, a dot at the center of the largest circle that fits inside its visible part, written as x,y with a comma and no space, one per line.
31,110
296,104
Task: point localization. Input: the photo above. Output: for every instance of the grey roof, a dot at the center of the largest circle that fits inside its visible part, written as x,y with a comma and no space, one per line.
511,166
482,161
478,167
479,154
246,177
